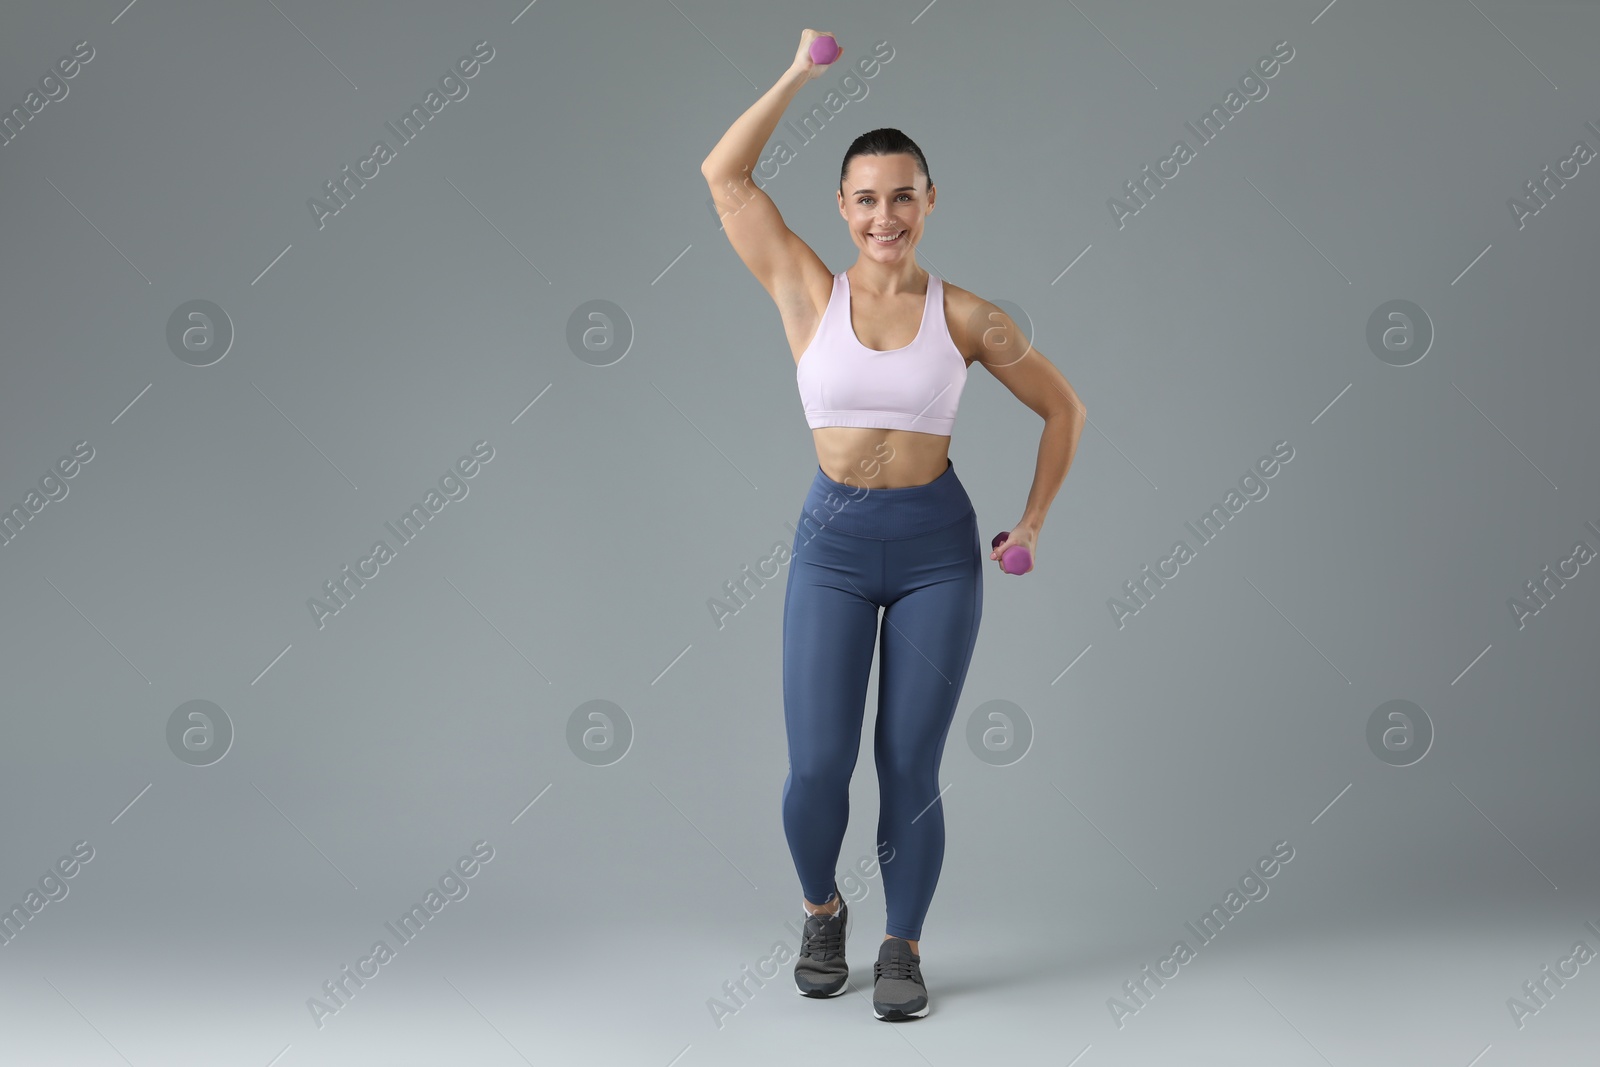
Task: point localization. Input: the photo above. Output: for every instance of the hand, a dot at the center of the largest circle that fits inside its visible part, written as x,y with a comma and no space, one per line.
802,57
1024,535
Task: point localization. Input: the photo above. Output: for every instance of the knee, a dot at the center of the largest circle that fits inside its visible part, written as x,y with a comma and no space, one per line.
819,776
904,769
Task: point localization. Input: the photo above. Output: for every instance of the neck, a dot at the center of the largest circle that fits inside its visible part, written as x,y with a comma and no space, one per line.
887,279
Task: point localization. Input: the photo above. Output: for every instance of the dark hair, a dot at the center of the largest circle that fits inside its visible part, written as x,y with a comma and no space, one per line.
885,141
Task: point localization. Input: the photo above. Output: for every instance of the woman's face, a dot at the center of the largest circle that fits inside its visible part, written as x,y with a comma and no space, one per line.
885,197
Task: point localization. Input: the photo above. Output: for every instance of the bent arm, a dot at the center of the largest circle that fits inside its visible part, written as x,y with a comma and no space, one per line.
1058,443
738,150
1005,351
779,259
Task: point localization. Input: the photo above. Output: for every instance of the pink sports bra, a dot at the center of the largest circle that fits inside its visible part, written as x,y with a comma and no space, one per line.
845,383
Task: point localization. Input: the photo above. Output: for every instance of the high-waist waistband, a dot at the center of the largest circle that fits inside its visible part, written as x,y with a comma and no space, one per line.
885,513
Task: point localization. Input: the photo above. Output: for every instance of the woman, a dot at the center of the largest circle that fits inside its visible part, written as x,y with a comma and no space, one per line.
882,352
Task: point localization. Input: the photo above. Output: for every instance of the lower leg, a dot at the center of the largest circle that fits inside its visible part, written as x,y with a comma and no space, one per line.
914,944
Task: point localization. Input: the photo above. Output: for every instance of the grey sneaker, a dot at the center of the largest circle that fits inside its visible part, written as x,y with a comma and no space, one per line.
821,970
898,992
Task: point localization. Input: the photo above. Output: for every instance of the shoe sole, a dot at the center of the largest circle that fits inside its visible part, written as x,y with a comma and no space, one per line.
895,1016
820,995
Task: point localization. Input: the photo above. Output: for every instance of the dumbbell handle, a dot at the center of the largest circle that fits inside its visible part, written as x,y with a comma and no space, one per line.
1014,560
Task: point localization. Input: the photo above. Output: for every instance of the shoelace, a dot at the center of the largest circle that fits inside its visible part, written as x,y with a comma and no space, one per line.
898,965
827,941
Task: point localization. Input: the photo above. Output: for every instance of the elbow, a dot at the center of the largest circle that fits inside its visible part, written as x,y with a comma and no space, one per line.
1071,412
720,174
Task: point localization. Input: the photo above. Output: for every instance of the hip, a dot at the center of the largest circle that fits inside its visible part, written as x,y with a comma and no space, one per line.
885,514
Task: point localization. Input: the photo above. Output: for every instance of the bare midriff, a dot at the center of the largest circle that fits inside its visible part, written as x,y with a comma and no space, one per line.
880,459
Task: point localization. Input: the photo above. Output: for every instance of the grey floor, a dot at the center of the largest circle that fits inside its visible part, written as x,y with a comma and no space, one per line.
546,961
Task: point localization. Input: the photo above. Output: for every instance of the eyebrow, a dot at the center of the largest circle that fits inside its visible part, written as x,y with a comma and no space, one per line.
903,188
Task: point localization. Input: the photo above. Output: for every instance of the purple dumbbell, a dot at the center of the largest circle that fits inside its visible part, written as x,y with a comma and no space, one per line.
824,50
1014,560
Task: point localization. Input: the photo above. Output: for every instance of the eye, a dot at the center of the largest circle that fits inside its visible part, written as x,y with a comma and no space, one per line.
864,199
905,196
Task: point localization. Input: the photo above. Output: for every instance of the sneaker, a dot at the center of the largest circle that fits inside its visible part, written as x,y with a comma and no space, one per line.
821,970
898,992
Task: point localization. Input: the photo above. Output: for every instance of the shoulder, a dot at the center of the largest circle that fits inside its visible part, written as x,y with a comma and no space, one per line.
959,299
968,315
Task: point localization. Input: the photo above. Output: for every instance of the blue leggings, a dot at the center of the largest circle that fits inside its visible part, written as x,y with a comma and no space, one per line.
914,552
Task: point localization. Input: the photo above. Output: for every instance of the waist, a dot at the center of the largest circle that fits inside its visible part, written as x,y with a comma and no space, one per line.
905,511
880,458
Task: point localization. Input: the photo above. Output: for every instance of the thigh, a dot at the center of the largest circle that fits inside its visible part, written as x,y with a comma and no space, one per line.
829,630
929,631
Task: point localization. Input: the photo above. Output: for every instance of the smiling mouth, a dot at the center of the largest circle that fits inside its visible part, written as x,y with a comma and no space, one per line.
887,240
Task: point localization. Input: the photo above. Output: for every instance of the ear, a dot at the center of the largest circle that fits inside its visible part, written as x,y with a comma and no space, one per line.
933,193
840,194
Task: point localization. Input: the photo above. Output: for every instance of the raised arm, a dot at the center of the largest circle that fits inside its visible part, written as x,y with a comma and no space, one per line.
784,264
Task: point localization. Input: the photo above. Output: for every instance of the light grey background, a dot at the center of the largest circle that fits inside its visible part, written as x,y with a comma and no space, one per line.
1229,314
